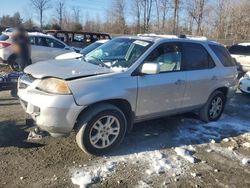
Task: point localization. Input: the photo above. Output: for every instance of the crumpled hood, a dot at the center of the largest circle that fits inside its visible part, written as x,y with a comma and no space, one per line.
65,69
70,55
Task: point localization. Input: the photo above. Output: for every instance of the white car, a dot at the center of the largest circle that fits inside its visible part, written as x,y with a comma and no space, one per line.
245,83
43,47
241,52
83,52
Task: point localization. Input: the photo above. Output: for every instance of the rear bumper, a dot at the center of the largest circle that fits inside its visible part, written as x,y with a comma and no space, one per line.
5,53
3,61
55,114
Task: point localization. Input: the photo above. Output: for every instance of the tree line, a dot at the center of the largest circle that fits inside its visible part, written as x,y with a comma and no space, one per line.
220,19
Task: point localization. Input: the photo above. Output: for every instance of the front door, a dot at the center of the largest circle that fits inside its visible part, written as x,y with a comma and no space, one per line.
163,92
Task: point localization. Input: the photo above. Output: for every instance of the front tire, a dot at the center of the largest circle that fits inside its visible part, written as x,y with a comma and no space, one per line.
214,107
100,129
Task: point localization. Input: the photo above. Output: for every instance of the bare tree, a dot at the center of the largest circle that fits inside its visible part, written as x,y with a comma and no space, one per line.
147,10
176,16
41,6
196,9
76,14
60,7
157,4
164,9
137,12
119,16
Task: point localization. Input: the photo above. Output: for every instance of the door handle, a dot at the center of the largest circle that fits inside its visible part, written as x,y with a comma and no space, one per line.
180,82
214,78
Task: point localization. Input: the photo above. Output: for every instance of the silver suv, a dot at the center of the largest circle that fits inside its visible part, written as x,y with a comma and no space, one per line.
127,80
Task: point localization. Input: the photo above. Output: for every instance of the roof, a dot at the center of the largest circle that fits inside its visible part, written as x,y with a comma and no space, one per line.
102,41
38,34
155,37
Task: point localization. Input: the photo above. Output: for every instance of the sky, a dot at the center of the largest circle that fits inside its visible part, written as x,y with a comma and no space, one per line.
90,7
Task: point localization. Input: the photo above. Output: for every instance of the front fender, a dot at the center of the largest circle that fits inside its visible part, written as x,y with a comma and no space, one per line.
94,89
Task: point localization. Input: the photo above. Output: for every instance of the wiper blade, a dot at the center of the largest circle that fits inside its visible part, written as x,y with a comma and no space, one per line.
100,61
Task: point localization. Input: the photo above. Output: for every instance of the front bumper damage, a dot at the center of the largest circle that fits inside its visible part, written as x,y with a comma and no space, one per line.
55,114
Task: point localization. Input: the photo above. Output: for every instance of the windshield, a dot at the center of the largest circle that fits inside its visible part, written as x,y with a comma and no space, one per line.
240,50
90,48
118,54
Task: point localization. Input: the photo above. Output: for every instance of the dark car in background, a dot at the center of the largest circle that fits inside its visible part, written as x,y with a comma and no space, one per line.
78,39
241,53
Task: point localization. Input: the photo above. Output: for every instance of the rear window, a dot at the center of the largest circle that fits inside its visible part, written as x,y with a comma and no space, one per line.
240,50
4,37
223,55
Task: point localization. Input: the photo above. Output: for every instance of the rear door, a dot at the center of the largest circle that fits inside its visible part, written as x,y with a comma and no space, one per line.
201,74
38,48
45,48
55,48
163,92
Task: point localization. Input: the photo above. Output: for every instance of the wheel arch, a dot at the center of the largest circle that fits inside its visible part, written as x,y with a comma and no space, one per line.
122,104
223,89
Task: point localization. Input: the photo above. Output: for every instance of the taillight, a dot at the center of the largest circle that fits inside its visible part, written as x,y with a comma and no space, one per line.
4,44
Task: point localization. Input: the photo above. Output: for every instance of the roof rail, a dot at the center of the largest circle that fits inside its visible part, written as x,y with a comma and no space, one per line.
191,37
196,37
156,35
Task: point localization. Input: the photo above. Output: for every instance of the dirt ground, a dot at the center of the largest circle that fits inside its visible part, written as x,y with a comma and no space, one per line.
219,150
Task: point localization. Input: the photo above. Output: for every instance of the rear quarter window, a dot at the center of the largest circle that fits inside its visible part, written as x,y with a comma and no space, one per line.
4,37
223,55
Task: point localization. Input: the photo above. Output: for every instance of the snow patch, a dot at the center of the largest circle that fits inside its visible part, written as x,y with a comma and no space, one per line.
190,131
246,161
246,144
159,164
185,154
93,174
142,184
231,154
119,69
82,179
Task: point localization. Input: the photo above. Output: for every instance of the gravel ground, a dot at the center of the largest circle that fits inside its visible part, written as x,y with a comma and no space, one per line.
177,151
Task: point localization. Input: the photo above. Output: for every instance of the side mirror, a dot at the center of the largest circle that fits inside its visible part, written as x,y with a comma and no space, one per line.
150,68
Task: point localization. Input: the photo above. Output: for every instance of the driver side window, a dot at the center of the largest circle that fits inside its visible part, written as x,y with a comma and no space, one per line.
168,56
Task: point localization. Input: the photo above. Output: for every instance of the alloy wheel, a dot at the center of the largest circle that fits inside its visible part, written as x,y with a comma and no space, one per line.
216,107
104,131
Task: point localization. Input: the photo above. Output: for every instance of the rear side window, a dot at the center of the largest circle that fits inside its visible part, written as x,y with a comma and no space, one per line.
240,50
196,57
223,55
4,37
53,43
32,40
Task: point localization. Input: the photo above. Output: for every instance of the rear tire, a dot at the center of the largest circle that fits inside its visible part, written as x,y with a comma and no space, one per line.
214,107
100,129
